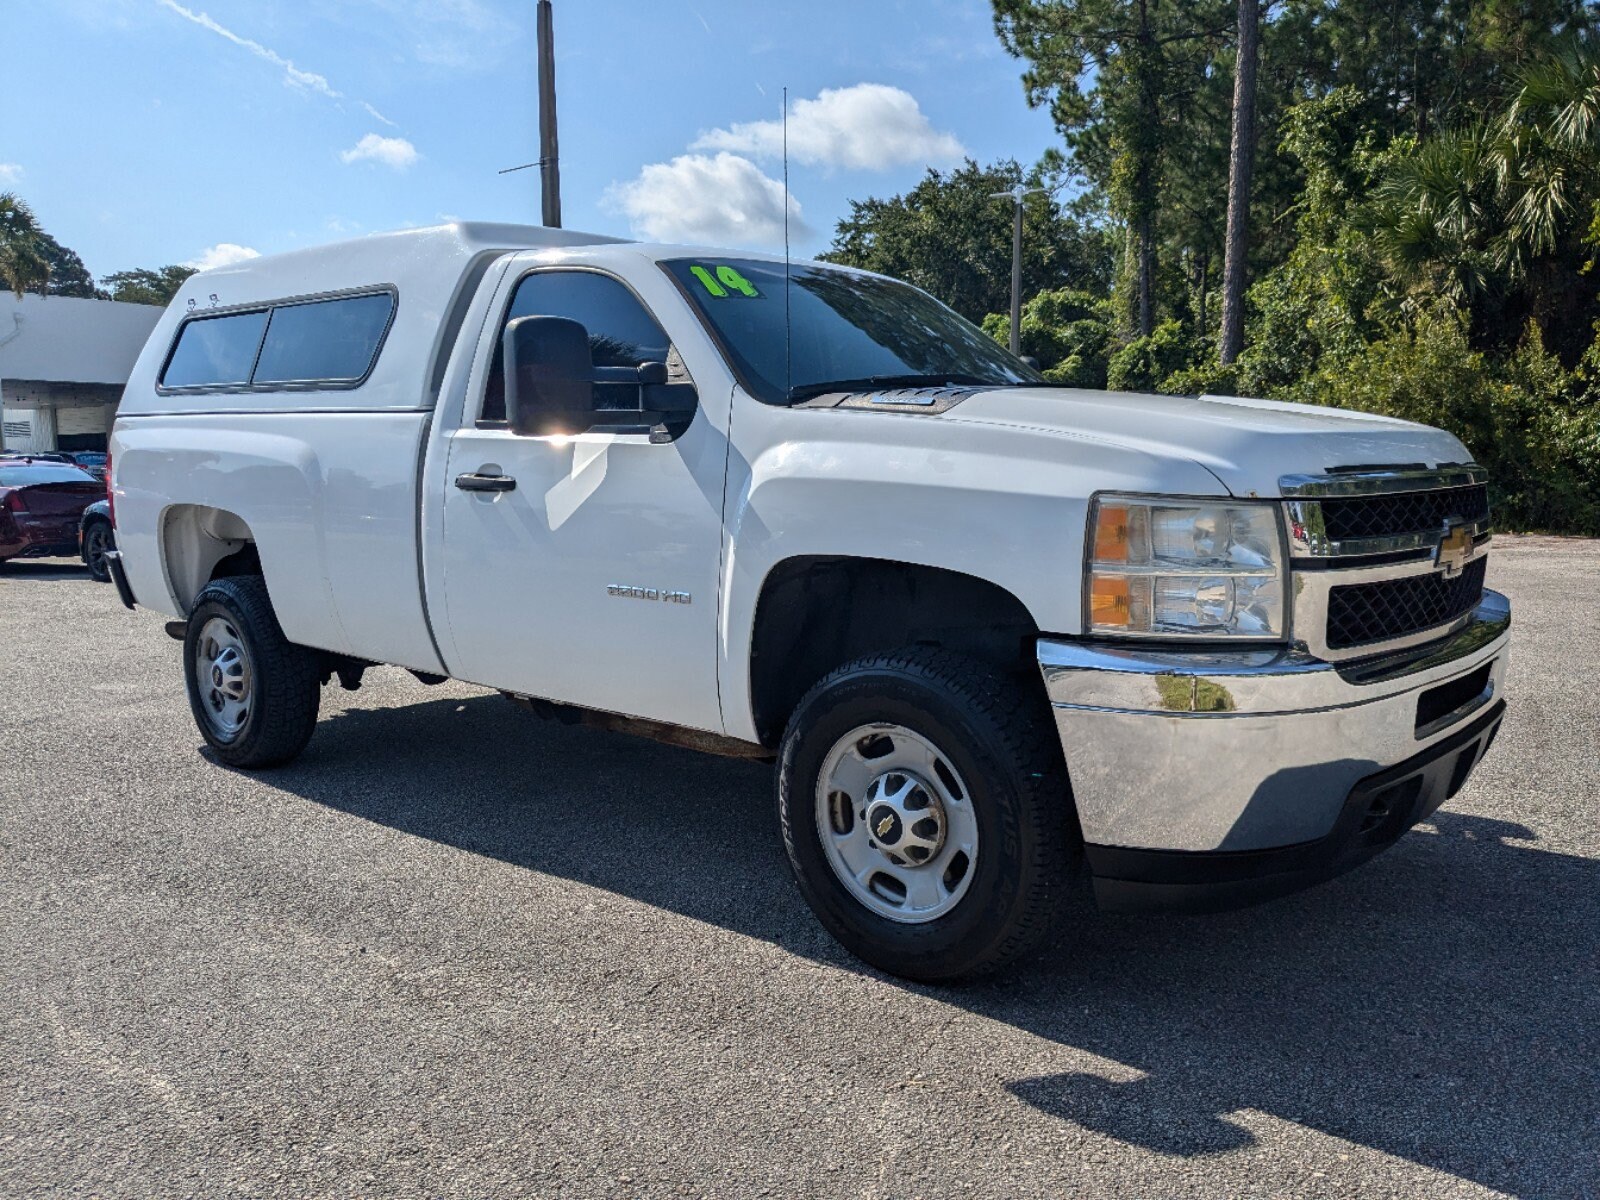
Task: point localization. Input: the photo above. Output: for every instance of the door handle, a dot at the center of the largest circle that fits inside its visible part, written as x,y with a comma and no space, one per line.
486,483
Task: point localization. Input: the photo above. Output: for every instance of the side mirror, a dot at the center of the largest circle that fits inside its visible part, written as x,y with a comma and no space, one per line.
549,376
1031,361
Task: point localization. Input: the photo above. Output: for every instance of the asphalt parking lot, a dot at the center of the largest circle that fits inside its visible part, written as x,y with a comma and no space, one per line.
455,951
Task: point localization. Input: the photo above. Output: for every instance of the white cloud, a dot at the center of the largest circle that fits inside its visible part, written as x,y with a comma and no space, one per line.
723,201
393,152
292,74
870,125
223,254
10,172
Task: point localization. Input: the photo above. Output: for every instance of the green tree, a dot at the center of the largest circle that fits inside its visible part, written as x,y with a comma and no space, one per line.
1241,164
68,275
144,286
1423,232
1117,76
1068,331
1147,363
1523,417
1549,174
1436,218
950,237
24,256
1498,216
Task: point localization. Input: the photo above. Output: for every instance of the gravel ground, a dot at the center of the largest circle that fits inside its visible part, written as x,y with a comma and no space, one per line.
454,951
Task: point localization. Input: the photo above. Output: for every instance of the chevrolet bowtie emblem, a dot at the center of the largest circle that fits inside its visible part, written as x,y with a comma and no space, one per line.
885,825
1455,551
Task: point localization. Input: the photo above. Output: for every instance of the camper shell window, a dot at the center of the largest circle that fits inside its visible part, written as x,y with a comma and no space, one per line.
309,342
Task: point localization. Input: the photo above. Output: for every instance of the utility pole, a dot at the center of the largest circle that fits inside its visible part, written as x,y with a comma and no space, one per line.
549,149
1017,195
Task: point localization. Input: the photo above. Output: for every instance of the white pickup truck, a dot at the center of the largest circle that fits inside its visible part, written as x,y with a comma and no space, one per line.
998,636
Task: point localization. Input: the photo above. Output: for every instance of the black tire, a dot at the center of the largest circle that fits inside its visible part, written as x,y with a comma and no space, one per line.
998,737
286,679
97,539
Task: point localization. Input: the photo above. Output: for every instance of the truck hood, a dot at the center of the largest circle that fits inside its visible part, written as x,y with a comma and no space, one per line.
1247,444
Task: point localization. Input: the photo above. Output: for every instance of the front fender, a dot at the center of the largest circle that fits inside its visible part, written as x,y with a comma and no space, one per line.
1005,505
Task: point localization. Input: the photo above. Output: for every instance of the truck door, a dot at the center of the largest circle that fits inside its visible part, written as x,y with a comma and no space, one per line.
584,569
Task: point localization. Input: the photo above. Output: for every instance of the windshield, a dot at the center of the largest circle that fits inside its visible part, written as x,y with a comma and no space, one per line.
844,328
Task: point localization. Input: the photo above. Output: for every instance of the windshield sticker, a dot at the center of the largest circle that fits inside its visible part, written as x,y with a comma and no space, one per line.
725,282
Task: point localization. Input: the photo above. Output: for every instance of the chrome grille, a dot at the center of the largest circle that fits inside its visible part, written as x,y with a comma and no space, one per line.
1391,608
1360,514
1398,514
1385,558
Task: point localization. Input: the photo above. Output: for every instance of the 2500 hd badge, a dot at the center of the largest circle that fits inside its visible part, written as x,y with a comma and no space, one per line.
648,593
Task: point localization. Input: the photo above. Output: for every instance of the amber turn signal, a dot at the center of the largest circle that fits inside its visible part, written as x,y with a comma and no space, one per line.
1111,536
1110,601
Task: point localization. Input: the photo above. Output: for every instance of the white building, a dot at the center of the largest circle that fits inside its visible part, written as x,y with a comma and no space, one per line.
63,364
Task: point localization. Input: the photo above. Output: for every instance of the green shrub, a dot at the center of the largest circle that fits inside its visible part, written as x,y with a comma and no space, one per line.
1532,424
1209,378
1144,364
1068,331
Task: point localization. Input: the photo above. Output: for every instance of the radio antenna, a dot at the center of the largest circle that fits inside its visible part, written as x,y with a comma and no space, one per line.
788,323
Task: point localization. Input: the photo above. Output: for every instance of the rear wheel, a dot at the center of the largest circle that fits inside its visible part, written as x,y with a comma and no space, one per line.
254,694
926,814
96,541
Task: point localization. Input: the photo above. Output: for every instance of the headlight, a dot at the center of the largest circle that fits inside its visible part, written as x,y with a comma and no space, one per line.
1160,567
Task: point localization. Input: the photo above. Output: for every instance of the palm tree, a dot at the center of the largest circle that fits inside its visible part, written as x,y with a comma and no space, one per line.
23,264
1437,217
1500,217
1550,160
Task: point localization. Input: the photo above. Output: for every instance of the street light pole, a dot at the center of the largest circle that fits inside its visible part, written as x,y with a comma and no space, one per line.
1017,195
1016,283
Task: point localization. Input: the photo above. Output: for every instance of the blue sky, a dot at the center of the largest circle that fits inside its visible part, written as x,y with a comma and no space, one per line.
145,132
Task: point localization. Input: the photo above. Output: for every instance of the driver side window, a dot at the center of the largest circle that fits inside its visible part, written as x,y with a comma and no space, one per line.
622,333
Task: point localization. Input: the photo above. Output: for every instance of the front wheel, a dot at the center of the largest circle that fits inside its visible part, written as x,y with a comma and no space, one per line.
254,693
926,813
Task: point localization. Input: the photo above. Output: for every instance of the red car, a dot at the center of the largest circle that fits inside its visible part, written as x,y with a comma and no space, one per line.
40,503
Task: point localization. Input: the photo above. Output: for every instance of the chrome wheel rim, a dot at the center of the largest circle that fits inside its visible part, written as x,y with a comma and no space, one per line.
223,677
896,823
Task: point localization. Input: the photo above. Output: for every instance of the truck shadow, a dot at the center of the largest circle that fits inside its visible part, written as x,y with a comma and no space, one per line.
1441,1005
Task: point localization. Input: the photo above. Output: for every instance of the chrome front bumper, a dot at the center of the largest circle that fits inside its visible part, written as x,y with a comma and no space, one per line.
1254,750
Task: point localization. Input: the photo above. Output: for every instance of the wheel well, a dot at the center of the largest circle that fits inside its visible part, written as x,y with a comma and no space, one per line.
243,561
818,613
199,544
